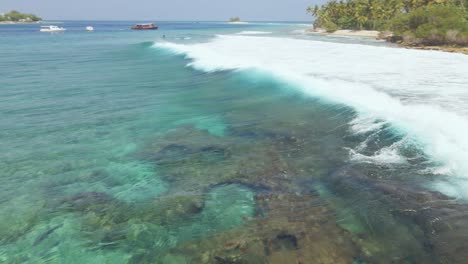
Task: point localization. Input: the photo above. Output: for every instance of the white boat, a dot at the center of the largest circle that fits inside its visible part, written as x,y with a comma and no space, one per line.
89,28
52,29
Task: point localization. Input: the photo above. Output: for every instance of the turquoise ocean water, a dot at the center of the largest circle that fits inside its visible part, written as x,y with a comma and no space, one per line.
117,147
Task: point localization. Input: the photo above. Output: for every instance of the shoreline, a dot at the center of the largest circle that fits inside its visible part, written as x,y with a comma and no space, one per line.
346,32
451,49
384,36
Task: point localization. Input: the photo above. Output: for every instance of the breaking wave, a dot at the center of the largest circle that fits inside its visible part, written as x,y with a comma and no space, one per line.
423,94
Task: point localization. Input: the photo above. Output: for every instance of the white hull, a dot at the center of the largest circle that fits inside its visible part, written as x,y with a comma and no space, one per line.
46,30
51,29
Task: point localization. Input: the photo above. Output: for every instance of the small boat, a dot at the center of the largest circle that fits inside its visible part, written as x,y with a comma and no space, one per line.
89,28
52,29
145,26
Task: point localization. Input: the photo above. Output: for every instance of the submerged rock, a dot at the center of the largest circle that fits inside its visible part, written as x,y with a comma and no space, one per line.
170,210
103,218
194,160
293,229
176,153
88,201
434,226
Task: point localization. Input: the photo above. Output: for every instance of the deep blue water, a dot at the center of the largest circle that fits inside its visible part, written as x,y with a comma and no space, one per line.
114,151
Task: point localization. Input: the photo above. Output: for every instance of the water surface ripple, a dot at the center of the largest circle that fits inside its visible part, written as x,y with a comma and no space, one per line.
274,147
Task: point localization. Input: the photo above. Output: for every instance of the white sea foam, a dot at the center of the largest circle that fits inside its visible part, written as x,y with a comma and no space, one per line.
366,123
387,155
238,23
253,33
422,93
299,32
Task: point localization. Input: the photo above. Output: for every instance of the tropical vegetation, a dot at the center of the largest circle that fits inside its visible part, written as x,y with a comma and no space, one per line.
15,16
234,19
425,22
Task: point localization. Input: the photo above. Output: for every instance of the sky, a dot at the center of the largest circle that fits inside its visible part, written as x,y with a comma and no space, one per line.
219,10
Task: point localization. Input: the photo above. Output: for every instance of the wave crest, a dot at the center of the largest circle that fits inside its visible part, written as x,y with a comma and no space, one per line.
423,94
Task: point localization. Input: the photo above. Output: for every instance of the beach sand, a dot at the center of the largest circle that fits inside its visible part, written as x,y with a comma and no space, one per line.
383,35
347,32
357,33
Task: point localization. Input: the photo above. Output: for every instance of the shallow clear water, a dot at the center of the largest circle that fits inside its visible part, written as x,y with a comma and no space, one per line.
257,146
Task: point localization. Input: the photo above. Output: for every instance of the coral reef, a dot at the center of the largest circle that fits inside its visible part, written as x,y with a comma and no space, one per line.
292,228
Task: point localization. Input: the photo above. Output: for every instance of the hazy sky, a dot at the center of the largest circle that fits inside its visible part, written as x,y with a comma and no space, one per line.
163,10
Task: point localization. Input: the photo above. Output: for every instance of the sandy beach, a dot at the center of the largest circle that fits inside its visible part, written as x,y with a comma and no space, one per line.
381,35
357,33
347,32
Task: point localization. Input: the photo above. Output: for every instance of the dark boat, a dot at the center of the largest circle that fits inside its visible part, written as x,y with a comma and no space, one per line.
144,26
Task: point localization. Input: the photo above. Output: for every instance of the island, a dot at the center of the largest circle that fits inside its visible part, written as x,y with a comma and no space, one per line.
429,24
236,20
17,17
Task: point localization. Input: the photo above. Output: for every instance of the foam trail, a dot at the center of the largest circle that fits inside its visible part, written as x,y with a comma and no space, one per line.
422,93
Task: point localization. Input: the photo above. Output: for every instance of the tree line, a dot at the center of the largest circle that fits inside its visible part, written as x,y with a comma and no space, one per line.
426,22
16,16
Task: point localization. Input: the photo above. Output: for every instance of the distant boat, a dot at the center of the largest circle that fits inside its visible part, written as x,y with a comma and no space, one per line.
89,28
52,29
148,26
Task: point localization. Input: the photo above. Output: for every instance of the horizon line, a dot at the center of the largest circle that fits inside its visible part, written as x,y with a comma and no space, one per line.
173,20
